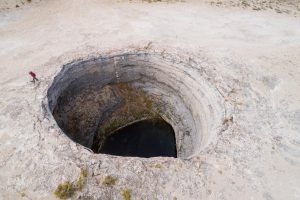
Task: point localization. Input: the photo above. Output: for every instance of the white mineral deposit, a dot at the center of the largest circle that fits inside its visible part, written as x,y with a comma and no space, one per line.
222,75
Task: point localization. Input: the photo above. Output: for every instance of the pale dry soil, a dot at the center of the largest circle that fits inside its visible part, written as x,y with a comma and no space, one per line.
252,59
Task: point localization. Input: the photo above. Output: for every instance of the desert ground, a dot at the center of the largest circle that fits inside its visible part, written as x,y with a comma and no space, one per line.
249,52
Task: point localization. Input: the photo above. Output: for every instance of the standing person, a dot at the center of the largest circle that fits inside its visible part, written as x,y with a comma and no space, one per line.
33,75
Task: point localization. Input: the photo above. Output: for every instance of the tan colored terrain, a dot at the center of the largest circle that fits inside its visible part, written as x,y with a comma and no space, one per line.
250,56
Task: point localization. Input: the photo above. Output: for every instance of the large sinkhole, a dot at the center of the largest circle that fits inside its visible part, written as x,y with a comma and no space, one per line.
139,105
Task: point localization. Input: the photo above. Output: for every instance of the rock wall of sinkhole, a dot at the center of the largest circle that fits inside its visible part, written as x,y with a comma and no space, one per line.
91,98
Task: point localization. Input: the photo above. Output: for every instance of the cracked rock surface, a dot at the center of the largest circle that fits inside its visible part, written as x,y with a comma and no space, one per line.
245,61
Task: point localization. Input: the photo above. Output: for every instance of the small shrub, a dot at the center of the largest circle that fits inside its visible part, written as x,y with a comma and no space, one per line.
64,190
109,181
81,180
126,194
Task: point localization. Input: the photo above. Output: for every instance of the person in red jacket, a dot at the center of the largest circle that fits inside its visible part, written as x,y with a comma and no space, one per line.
33,75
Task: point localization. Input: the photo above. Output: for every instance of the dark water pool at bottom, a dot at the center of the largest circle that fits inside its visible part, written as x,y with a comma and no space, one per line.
147,138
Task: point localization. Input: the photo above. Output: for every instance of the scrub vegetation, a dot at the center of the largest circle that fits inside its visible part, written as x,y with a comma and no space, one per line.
126,194
67,189
109,181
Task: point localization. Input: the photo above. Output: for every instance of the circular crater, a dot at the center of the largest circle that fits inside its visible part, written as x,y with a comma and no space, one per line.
138,104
